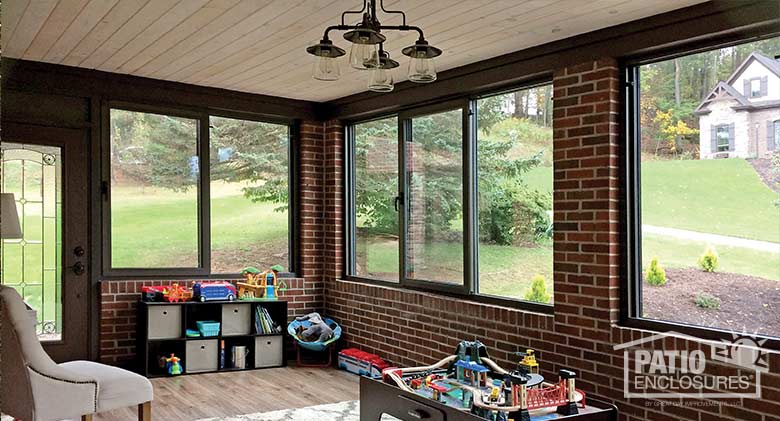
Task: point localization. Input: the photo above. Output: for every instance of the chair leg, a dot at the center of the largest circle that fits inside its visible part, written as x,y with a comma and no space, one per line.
145,411
87,417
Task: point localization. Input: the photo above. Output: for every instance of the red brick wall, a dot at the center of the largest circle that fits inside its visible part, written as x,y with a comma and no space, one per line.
409,327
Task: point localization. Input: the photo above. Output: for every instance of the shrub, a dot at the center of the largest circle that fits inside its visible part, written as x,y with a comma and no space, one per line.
709,260
707,301
656,275
538,291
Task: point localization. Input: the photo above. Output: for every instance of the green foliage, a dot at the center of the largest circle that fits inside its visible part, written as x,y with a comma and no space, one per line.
655,275
707,301
538,291
709,260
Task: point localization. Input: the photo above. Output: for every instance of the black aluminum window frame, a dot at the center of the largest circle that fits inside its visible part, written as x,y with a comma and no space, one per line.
631,221
470,288
203,117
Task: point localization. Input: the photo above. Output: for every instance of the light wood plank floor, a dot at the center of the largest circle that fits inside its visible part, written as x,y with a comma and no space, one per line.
225,394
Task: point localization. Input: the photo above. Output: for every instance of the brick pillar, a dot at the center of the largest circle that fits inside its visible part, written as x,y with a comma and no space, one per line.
333,200
415,239
586,200
311,193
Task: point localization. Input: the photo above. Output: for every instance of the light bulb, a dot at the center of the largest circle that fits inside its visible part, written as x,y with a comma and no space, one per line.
380,80
363,56
326,68
422,69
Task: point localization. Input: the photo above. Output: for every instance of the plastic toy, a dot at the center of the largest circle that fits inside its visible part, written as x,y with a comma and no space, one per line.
173,293
213,291
528,362
471,381
173,363
362,363
252,287
259,284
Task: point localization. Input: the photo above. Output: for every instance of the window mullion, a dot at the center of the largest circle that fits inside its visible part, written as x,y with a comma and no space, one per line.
204,196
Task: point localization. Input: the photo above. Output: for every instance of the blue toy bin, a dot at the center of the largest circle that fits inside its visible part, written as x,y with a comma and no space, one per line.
318,345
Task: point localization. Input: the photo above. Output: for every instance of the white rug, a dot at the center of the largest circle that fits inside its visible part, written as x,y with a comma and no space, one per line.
341,411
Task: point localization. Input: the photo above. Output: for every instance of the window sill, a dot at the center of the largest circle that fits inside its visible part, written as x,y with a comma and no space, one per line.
701,333
475,298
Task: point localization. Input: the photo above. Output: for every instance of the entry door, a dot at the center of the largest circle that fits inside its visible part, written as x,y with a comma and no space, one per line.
46,170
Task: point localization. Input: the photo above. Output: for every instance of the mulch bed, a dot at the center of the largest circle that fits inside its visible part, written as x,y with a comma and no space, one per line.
763,167
748,303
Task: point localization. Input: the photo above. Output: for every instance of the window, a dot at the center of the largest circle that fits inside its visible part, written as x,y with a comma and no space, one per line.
514,150
168,215
471,209
722,138
705,233
249,191
376,186
755,88
155,174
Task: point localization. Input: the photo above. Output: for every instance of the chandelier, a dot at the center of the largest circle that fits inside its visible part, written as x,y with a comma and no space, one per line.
367,51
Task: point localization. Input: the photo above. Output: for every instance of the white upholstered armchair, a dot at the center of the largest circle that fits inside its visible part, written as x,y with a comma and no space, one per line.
35,388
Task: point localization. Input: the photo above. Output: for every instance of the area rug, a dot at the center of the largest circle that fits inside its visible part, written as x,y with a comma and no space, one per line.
341,411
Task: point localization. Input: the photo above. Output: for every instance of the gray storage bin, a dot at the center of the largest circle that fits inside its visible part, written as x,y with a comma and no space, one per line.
268,351
235,319
164,322
201,356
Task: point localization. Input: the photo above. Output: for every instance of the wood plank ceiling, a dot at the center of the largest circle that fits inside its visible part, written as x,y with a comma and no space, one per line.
258,46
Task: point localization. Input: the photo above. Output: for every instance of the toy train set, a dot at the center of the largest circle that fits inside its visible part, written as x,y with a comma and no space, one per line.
470,381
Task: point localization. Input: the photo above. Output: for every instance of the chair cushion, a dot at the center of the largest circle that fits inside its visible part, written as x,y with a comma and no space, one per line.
117,388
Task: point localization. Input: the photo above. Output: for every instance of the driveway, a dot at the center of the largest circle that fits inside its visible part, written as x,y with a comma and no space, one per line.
713,238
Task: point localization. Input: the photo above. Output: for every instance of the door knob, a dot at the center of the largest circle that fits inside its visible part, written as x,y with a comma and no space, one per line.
79,251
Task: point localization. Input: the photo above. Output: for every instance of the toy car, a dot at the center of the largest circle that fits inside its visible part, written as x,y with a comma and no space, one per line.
213,291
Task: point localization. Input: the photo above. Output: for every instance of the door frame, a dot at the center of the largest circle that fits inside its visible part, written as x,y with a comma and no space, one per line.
77,331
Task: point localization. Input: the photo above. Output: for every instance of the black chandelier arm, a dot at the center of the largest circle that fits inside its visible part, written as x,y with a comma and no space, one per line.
387,27
397,12
353,12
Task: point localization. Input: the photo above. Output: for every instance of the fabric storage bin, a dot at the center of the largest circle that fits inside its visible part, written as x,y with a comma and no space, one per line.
201,356
268,351
164,322
235,319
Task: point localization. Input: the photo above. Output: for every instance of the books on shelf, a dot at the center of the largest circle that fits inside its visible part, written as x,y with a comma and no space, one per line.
264,324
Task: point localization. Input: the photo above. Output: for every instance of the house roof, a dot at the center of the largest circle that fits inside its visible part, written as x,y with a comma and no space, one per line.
717,92
771,64
725,87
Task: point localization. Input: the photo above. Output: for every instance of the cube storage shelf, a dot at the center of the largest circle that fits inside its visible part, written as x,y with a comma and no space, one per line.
162,327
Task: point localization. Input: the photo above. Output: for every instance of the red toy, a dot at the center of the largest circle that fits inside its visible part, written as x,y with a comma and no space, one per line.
363,363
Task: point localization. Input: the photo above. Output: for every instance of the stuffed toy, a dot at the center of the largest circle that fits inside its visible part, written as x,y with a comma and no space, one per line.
318,331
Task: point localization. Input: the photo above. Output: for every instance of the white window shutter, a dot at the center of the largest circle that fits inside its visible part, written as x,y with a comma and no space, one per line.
746,87
764,87
770,135
713,138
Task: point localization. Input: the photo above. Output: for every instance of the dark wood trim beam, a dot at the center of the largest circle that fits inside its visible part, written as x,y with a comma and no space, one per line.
696,27
49,78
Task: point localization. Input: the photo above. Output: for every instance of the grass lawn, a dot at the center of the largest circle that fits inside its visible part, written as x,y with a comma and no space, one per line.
719,196
674,253
156,227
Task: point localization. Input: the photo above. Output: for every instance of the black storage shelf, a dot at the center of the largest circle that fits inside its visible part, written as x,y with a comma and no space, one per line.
150,349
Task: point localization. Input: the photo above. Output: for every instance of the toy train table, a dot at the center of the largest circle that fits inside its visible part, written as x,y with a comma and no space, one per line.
470,386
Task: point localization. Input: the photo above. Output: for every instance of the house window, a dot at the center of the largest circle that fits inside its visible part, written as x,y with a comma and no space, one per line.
249,194
755,88
155,181
722,138
167,214
458,200
703,234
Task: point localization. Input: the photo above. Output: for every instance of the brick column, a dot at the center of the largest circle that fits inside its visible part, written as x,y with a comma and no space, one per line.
311,193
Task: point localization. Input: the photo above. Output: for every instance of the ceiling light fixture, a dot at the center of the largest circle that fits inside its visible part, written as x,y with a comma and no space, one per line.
367,53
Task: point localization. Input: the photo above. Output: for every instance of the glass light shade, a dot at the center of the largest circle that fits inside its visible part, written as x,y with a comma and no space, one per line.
364,56
422,70
380,80
326,68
